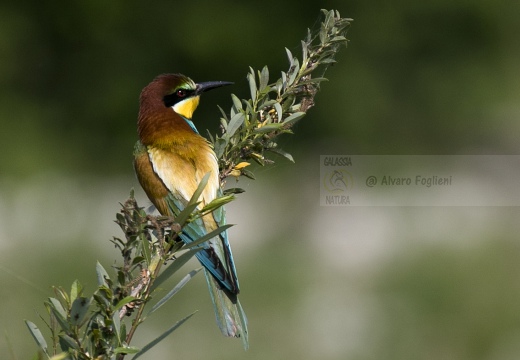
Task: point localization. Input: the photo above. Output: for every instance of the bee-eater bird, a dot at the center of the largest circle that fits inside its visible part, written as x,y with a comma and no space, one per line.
170,160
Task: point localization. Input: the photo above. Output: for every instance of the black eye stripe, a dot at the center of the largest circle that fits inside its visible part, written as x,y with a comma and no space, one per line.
177,96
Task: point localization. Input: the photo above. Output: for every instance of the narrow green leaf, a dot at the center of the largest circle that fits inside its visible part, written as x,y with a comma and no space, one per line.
234,124
293,117
60,356
295,68
62,321
252,85
248,174
264,78
233,191
185,214
268,128
102,274
323,34
216,203
289,105
210,137
312,81
308,38
224,115
116,324
137,260
48,324
58,307
79,309
220,147
37,335
328,61
162,336
66,342
208,236
338,39
282,153
126,350
237,104
53,323
223,123
101,298
304,52
122,331
62,296
176,265
259,160
266,104
329,19
146,248
249,114
279,84
174,291
76,290
284,80
233,111
290,56
279,111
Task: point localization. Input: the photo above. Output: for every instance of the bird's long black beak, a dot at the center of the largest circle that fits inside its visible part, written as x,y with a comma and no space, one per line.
209,85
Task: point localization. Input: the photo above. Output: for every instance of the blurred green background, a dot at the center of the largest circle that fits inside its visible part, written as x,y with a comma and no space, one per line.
429,77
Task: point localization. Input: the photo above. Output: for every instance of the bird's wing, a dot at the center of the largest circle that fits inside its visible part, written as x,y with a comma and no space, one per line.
216,254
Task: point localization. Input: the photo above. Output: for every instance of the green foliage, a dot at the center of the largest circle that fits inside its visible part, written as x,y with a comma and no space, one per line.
93,327
252,126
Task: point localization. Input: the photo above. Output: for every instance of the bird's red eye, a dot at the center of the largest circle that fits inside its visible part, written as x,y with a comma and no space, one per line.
181,93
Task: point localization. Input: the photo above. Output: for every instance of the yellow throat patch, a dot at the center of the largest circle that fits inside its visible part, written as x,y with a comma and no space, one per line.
186,107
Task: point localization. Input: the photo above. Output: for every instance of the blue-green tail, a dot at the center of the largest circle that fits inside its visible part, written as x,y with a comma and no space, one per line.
221,276
231,318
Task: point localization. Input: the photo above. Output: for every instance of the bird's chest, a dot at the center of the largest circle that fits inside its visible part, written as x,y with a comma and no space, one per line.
181,168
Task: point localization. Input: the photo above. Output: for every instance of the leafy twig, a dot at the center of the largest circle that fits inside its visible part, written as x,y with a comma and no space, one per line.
253,125
94,327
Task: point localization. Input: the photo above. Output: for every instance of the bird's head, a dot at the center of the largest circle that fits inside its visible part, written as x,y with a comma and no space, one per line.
182,94
169,95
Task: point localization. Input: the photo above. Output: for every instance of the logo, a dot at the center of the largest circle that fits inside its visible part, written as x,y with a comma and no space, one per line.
338,181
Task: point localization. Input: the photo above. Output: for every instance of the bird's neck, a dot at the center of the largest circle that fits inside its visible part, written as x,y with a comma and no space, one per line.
162,126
